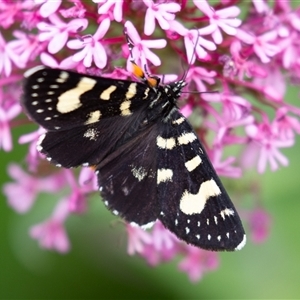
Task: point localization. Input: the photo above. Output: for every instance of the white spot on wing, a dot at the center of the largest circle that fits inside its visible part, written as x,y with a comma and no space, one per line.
139,172
226,212
193,163
178,121
194,204
105,95
163,143
91,134
216,220
124,108
164,175
187,230
131,92
69,100
63,76
186,138
125,190
93,117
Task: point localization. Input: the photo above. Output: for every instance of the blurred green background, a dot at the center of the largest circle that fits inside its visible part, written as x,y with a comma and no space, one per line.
98,266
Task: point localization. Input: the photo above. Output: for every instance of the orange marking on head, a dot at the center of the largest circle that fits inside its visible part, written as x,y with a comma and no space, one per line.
152,81
137,71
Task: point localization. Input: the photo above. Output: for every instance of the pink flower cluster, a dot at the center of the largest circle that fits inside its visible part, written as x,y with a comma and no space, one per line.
249,60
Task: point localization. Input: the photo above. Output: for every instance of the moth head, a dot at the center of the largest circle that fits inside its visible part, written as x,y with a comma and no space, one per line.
173,90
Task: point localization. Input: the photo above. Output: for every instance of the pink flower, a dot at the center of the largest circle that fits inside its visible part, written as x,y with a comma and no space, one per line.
12,11
224,19
286,126
6,115
77,197
33,156
259,223
263,45
88,180
76,11
58,32
22,194
65,64
261,6
7,56
289,49
106,6
92,47
197,262
187,110
224,167
137,239
266,144
51,233
239,65
25,47
273,84
162,12
118,73
158,245
193,41
48,7
235,112
199,75
140,50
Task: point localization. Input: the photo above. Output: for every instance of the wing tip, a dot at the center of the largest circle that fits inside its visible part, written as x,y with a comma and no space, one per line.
241,244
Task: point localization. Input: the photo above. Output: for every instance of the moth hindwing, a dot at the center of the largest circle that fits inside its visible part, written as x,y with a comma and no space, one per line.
149,162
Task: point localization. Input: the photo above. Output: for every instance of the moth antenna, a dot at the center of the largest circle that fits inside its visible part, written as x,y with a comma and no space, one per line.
190,62
129,44
188,68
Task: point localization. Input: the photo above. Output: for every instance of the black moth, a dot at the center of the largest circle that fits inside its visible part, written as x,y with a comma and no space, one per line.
149,162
